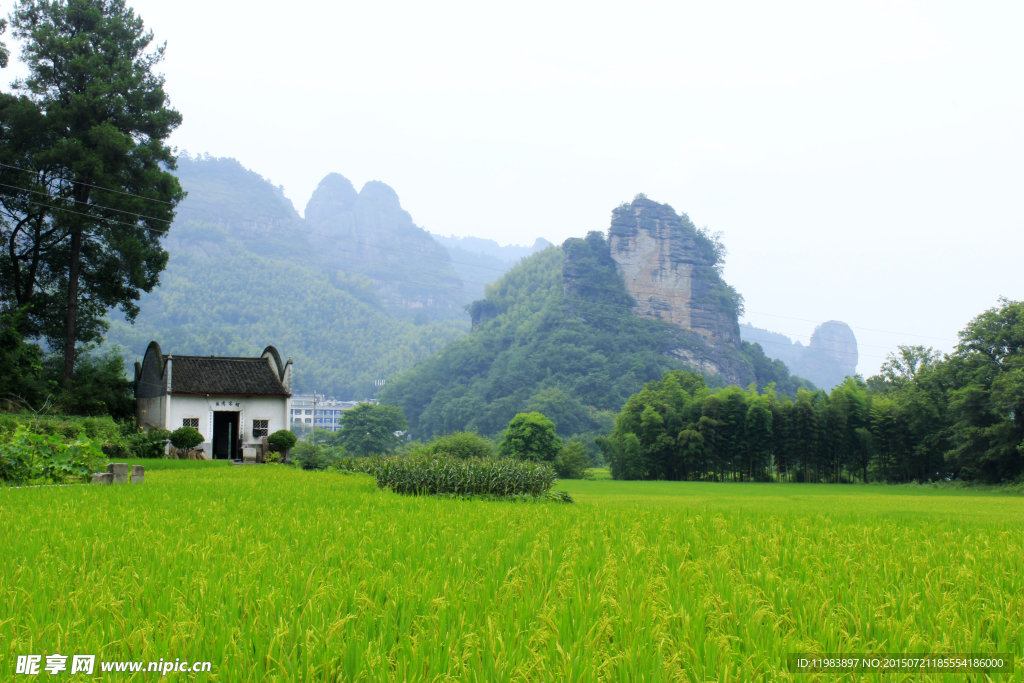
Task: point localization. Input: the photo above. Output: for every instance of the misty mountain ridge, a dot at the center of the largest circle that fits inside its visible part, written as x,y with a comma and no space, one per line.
354,290
829,357
479,261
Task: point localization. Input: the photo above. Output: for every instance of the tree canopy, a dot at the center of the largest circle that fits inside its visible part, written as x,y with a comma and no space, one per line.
530,436
924,417
370,429
87,188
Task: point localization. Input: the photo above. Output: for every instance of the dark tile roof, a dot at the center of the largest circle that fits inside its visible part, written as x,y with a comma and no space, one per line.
202,375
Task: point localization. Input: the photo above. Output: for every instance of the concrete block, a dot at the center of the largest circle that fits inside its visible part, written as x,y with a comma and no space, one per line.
119,471
249,454
102,478
138,474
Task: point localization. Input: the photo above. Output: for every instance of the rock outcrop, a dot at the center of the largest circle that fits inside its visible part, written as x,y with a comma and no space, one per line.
670,273
369,232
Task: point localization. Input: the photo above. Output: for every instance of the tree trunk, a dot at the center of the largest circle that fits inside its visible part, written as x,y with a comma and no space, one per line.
69,335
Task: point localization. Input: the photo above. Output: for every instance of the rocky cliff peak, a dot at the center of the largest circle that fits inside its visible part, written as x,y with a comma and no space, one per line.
669,268
334,195
369,232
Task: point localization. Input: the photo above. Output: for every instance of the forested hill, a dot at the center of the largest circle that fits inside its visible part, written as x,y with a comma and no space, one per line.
246,270
574,355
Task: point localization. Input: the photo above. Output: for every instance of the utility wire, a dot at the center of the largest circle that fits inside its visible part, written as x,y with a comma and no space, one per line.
422,284
417,254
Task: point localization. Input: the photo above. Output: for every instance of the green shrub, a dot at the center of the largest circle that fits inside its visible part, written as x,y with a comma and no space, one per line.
460,445
185,438
423,474
310,456
152,444
282,439
29,456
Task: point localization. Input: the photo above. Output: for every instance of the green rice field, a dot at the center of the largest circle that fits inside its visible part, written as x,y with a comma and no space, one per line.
275,574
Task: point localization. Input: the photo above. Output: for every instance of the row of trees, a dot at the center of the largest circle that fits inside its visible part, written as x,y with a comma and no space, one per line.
925,417
86,189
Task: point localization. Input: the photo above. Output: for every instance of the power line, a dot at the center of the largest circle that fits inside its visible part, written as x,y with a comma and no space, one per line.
417,254
422,284
98,187
99,206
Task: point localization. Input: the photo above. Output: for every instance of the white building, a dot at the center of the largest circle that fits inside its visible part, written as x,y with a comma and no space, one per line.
233,402
320,412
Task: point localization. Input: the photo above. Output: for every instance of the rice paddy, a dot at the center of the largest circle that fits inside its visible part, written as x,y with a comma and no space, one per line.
275,574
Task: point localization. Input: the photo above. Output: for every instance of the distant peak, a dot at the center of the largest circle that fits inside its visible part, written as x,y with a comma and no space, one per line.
334,194
379,193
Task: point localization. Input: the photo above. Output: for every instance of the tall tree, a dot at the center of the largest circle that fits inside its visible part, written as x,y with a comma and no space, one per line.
985,376
531,436
370,429
101,186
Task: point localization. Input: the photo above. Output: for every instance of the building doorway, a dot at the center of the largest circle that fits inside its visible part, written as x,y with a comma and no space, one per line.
225,435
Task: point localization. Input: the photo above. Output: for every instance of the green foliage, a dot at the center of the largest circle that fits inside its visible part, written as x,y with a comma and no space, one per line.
572,461
102,430
923,418
21,364
31,380
185,438
530,436
680,429
434,475
315,456
370,429
90,238
458,445
220,298
984,386
283,439
149,444
28,456
100,386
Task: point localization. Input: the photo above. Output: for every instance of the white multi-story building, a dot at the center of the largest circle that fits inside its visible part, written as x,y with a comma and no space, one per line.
233,402
320,412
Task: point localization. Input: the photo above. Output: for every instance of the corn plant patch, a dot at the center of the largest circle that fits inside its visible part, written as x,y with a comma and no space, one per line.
432,475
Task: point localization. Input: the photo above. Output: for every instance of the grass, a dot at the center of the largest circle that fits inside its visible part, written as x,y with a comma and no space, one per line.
277,574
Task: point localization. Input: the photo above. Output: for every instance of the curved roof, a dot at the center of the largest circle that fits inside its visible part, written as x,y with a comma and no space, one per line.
212,375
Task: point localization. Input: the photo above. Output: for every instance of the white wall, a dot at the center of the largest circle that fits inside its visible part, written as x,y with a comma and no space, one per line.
272,408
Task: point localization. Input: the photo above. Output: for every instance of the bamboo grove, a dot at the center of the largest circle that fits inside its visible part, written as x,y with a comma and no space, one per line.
925,417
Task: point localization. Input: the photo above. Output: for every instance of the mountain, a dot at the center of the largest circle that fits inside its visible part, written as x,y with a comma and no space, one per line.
564,332
479,261
369,232
354,292
830,356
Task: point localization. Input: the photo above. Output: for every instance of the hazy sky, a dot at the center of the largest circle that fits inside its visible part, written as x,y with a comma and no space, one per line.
864,160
